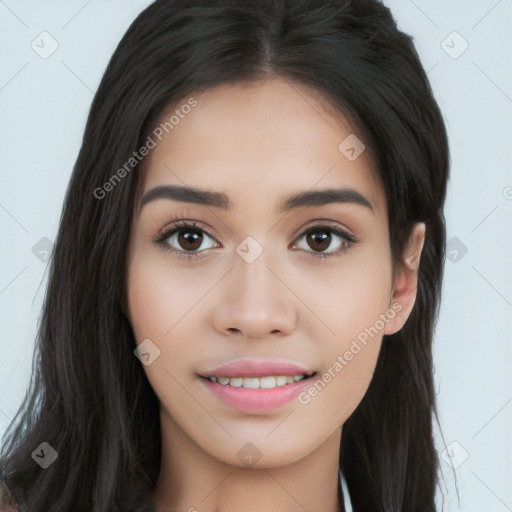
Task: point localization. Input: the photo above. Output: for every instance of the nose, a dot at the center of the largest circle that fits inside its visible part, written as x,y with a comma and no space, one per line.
255,301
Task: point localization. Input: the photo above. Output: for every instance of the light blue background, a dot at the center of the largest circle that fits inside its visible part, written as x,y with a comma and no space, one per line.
43,109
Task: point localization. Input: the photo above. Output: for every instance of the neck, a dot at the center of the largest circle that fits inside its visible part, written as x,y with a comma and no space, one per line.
192,480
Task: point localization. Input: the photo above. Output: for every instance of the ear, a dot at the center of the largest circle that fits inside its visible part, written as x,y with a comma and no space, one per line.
405,283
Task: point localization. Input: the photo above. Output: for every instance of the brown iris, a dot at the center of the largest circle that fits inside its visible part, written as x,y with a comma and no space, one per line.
321,239
187,239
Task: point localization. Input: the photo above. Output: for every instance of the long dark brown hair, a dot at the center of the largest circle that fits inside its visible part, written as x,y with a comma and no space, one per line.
89,397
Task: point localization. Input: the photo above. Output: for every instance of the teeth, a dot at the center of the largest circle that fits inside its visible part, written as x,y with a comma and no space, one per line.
269,382
236,382
251,382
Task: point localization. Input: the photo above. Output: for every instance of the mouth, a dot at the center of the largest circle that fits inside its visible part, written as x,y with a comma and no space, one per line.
255,386
256,394
266,382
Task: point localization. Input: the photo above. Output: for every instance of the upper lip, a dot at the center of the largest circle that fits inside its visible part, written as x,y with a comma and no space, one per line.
258,368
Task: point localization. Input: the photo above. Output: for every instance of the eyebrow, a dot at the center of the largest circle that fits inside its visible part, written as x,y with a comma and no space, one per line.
221,200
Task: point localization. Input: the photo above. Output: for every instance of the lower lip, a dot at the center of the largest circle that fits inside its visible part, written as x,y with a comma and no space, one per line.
256,400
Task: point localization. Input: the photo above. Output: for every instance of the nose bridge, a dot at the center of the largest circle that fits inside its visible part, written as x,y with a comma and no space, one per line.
255,301
256,279
251,266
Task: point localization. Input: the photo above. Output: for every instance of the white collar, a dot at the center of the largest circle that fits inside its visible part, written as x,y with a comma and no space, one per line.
346,496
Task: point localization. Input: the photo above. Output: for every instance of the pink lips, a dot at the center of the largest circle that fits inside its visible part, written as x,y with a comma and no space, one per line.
258,368
256,400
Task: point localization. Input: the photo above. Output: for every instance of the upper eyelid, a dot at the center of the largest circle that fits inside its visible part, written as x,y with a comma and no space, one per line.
182,224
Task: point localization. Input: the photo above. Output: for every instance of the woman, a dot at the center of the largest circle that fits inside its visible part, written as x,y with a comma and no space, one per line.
247,274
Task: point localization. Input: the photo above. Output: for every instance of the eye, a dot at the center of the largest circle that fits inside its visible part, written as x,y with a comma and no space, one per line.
188,237
322,237
185,238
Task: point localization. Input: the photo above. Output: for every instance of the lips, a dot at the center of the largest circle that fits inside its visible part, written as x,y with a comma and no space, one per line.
258,368
257,386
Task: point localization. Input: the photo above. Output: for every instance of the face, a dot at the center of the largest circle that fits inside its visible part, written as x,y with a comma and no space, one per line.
249,278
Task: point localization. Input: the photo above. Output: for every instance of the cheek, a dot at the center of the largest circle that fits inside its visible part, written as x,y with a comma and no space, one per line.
166,305
350,298
158,301
354,306
146,297
158,296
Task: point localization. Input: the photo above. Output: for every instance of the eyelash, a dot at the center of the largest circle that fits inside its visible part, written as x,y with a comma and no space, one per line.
165,233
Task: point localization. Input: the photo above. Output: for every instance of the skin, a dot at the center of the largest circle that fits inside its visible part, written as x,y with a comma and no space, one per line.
259,143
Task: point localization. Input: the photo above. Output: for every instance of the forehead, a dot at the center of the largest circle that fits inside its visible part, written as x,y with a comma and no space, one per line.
259,141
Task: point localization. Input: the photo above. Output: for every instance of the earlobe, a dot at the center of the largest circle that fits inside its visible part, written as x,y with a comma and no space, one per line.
405,285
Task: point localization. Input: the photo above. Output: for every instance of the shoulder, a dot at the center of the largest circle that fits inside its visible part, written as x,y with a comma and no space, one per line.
6,500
